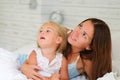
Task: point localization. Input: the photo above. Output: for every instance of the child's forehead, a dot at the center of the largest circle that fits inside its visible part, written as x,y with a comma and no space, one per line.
48,25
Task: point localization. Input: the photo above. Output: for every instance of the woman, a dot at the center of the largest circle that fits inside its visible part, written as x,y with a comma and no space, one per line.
91,39
97,61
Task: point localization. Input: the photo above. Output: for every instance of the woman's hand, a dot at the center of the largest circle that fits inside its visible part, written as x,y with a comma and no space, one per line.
31,71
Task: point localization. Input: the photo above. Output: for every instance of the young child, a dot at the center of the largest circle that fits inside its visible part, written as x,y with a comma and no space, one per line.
51,39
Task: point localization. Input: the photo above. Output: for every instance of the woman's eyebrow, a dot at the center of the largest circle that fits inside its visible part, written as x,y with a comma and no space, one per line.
80,25
84,30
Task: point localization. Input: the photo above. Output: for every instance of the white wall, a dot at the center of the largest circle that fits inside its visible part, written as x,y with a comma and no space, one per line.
19,23
77,10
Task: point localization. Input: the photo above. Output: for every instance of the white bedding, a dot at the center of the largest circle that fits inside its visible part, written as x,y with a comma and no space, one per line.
9,63
9,69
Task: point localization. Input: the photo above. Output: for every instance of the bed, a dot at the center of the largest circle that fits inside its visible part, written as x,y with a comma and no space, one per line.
10,66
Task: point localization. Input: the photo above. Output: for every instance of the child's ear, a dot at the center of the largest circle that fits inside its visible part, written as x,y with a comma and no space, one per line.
59,40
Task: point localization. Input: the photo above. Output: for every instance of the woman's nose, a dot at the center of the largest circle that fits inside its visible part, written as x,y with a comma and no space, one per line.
81,31
77,33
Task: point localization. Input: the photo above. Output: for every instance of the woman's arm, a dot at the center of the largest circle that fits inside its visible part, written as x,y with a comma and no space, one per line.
30,68
30,71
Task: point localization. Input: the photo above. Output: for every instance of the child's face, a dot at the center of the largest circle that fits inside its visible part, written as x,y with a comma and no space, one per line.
48,36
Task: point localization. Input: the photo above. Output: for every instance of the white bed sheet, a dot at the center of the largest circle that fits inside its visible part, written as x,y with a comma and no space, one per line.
9,69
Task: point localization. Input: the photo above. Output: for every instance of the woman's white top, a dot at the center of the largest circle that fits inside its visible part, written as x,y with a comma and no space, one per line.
48,68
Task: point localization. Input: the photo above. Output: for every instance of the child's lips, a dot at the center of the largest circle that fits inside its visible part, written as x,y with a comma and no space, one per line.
42,37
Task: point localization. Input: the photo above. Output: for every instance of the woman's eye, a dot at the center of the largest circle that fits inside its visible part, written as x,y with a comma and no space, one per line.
80,26
84,35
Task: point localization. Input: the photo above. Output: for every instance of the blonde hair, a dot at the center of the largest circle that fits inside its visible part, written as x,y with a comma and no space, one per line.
61,32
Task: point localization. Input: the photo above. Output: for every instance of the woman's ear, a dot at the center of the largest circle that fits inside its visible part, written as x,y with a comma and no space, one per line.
88,48
59,40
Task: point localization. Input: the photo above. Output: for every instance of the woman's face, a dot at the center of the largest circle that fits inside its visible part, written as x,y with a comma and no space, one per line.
82,35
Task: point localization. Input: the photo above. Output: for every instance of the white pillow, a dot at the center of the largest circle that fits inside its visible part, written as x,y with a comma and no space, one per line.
8,64
116,52
116,67
26,49
108,76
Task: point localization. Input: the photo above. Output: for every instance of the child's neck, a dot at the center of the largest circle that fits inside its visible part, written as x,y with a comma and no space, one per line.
49,53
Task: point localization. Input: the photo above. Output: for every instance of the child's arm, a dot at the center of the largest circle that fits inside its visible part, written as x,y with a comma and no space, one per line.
64,70
32,60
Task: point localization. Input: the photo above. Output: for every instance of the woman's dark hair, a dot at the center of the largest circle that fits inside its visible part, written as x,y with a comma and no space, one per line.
67,51
100,53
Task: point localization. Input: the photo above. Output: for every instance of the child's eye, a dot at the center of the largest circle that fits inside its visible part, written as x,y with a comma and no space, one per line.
40,31
48,31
